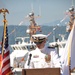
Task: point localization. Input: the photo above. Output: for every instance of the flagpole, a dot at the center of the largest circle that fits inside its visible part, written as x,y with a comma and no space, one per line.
5,24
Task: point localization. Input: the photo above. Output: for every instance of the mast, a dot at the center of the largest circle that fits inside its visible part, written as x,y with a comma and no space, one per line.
33,27
71,14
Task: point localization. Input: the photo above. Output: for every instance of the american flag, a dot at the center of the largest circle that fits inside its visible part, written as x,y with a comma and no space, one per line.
4,57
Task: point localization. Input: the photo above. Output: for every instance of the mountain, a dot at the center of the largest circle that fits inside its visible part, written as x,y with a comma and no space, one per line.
56,22
21,31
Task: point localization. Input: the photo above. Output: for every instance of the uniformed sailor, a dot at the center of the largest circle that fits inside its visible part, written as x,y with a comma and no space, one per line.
42,56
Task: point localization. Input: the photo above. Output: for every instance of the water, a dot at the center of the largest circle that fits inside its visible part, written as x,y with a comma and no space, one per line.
21,31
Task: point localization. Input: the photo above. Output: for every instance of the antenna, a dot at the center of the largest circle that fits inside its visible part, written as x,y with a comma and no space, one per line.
39,10
32,7
72,3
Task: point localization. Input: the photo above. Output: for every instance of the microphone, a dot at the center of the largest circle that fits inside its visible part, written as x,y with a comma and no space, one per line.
30,55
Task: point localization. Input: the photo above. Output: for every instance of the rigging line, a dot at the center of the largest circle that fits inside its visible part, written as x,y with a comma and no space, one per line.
52,30
72,3
23,20
55,27
12,31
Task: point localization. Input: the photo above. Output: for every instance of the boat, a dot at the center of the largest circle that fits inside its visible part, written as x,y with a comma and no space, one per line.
19,50
23,45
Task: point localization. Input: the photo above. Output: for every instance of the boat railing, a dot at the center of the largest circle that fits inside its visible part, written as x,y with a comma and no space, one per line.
21,40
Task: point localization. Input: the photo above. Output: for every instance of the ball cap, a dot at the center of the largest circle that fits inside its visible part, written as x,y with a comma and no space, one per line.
39,38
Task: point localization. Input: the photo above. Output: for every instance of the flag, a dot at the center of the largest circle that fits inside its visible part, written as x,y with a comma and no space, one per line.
4,57
65,58
68,55
73,50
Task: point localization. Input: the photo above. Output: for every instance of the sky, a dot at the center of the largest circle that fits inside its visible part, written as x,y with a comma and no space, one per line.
49,10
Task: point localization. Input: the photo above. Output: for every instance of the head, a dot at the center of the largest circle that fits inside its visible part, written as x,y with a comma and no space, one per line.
39,40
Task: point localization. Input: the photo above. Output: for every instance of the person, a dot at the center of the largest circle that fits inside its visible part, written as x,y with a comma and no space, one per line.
42,56
72,18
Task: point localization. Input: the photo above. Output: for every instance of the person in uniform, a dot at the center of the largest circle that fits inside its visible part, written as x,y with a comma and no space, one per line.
42,56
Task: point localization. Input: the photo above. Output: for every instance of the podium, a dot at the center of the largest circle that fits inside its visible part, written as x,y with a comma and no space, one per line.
41,71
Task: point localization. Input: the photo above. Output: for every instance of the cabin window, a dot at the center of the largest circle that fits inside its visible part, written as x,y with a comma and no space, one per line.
13,48
16,48
19,48
23,47
30,47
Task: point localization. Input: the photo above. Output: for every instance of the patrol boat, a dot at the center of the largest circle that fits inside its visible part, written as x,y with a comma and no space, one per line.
23,45
19,53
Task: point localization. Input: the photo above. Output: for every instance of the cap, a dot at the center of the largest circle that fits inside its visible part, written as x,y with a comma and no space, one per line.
38,38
